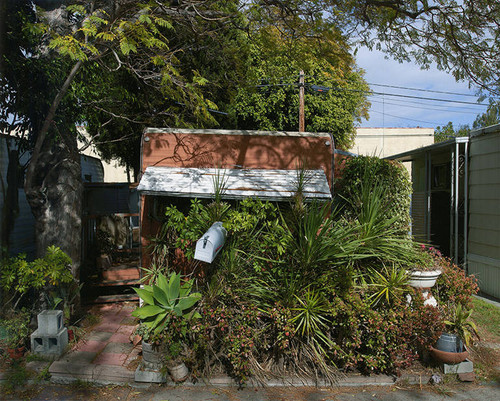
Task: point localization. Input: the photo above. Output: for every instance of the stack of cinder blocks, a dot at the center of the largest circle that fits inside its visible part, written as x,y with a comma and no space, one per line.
51,337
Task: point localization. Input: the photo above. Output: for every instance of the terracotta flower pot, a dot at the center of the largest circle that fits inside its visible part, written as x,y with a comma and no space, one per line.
450,358
16,353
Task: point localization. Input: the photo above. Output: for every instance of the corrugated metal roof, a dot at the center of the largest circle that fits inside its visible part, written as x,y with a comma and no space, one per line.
235,132
275,185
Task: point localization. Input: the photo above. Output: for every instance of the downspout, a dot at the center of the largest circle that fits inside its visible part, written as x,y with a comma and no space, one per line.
332,177
466,205
428,186
452,203
142,200
457,153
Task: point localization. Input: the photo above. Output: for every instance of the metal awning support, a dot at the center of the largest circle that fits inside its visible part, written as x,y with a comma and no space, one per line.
273,185
458,151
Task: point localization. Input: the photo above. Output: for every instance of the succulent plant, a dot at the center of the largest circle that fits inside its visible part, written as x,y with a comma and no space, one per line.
165,298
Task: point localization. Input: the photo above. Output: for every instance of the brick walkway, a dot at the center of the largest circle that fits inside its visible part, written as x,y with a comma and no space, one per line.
105,354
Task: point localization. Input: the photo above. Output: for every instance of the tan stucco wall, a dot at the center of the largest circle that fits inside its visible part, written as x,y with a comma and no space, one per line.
113,172
384,142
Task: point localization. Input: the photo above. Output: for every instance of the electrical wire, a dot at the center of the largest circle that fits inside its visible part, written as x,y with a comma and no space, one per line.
406,118
383,94
422,90
436,108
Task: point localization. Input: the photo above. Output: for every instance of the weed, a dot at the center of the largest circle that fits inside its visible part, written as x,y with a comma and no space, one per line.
15,376
79,384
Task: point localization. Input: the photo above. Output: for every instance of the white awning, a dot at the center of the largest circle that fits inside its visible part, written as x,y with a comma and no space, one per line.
275,185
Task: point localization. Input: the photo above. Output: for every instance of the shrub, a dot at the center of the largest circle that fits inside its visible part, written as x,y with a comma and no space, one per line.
385,340
19,276
393,177
453,285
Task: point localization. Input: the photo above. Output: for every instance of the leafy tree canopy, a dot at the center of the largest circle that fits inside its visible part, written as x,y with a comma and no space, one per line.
459,36
448,131
490,117
335,90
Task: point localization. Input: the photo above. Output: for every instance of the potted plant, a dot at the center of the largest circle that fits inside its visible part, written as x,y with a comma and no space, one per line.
459,330
425,273
17,330
164,301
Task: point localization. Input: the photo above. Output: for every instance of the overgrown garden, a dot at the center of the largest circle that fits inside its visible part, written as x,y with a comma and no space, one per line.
302,288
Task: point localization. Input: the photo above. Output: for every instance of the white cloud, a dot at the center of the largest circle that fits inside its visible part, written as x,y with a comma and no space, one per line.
413,112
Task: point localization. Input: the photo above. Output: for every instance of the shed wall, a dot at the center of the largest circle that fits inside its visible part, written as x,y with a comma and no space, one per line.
232,151
484,212
228,149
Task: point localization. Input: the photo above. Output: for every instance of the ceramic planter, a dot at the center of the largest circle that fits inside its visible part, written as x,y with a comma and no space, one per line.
449,358
449,349
449,343
179,372
423,279
152,356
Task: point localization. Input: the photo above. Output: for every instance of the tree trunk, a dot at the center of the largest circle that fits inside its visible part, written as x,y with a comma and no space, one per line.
54,188
55,196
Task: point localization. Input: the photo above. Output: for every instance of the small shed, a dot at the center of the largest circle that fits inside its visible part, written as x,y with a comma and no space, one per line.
184,162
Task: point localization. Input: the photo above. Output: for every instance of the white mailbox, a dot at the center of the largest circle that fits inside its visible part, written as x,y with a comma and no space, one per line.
209,245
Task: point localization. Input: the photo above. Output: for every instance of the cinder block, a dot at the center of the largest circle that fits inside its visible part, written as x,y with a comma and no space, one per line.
50,322
462,367
51,345
147,375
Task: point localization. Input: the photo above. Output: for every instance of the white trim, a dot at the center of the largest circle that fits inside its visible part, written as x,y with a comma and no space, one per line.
236,132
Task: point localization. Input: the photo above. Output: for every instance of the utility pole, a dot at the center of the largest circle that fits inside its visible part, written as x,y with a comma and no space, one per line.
302,122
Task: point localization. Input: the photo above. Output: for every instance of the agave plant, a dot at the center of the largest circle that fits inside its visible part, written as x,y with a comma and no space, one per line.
165,298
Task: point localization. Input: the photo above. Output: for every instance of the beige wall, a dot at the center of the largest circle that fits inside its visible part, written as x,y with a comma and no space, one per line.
484,212
384,142
113,172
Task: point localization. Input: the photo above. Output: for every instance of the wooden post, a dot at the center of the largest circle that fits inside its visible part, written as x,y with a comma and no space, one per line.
301,102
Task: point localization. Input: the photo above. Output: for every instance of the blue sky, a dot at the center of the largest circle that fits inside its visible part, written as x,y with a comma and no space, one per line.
391,111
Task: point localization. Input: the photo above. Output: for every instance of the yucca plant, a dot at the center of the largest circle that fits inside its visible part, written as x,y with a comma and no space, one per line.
311,314
461,325
165,298
387,284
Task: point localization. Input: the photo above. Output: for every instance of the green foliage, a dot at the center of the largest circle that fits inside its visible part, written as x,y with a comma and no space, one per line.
164,299
459,323
270,100
20,276
387,285
311,312
448,132
454,286
282,295
16,327
395,189
458,37
15,377
488,118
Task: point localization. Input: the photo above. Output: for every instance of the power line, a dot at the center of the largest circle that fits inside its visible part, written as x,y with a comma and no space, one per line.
406,118
425,108
371,93
423,90
428,98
